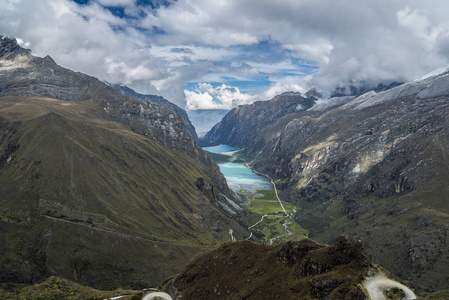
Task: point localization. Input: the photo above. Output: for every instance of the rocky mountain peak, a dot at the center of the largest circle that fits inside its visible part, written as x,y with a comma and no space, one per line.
313,92
252,120
9,46
108,168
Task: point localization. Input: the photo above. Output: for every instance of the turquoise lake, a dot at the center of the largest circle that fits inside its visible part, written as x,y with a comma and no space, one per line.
220,149
238,175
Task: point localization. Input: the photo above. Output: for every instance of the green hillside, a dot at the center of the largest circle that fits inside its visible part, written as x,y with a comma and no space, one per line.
86,198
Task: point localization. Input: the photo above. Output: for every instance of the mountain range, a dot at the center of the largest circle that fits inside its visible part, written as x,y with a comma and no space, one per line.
374,166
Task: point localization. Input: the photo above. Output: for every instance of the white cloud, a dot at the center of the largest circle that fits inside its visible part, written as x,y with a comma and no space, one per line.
415,21
221,97
116,2
211,41
279,88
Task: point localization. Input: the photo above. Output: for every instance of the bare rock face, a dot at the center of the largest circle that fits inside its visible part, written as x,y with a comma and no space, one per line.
158,99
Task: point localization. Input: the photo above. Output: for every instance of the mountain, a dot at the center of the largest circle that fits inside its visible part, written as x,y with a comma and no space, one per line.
373,166
205,119
301,269
97,187
158,99
25,75
293,270
242,124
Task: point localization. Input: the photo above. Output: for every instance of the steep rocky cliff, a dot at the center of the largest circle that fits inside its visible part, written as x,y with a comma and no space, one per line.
374,166
245,125
97,187
158,99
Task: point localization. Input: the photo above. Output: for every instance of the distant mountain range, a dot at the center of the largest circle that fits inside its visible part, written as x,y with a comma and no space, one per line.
373,166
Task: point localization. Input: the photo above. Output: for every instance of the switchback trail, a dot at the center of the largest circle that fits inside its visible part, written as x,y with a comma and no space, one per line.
375,286
159,295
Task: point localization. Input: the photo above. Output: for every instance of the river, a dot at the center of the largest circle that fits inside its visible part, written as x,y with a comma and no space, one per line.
239,176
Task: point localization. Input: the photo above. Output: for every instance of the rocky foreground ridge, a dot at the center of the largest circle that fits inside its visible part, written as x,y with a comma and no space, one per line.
301,269
97,187
294,270
374,166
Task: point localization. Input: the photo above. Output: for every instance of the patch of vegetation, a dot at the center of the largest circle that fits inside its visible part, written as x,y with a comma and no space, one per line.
395,294
82,188
55,288
219,158
265,202
435,296
272,230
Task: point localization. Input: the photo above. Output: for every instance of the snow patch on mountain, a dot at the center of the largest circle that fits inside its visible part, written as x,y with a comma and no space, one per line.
323,104
434,86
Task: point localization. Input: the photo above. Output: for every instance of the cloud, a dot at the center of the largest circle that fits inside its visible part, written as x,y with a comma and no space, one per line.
206,96
279,88
261,47
122,3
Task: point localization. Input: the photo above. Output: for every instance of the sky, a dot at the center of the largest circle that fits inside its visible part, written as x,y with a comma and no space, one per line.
203,54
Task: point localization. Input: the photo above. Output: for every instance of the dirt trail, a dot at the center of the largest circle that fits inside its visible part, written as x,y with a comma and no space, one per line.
157,295
376,285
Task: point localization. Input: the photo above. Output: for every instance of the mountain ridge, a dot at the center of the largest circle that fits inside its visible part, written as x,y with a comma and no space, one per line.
27,75
158,99
371,166
88,175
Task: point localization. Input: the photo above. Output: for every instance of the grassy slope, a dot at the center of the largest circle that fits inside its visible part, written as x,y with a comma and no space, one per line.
271,229
80,190
55,288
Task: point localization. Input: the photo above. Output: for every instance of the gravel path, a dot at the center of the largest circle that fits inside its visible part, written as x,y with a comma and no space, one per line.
375,286
161,295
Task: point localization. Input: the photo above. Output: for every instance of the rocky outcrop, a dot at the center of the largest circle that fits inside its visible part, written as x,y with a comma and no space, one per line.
158,99
244,124
295,270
